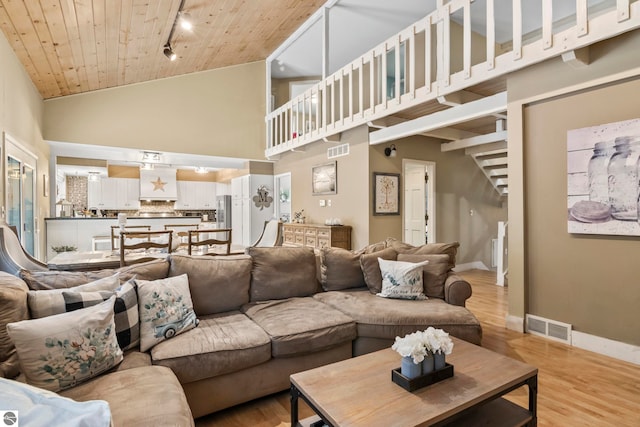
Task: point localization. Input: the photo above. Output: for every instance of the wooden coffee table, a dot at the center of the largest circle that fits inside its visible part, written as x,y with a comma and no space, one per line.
359,392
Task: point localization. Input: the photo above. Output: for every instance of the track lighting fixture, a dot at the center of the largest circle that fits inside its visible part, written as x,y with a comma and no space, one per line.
184,19
169,53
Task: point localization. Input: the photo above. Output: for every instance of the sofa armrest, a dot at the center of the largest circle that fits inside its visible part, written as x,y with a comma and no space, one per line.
456,290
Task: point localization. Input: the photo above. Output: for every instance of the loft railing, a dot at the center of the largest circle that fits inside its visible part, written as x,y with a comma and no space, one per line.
434,57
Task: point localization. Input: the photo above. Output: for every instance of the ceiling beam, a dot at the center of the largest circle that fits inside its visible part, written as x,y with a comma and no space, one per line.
475,141
442,119
450,134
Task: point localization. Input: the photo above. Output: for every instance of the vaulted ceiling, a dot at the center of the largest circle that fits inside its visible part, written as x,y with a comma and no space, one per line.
75,46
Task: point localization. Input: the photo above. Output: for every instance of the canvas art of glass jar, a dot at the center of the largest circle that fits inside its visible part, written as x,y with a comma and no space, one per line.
597,172
623,178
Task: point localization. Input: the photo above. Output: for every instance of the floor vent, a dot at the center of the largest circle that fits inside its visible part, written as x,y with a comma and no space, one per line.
338,151
549,328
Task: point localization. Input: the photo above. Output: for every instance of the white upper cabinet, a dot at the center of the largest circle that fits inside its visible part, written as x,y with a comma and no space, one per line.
114,193
196,195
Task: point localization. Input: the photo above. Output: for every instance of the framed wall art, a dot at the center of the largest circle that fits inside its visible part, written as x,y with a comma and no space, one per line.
386,193
324,179
602,179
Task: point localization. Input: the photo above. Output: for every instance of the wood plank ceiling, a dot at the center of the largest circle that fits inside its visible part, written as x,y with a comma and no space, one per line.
75,46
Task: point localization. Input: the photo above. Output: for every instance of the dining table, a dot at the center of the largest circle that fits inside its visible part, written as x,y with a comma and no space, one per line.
98,260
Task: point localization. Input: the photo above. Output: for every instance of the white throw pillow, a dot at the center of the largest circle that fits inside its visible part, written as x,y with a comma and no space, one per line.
166,309
49,302
35,407
401,279
63,350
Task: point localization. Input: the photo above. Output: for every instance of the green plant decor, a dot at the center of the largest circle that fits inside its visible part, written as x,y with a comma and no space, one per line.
63,248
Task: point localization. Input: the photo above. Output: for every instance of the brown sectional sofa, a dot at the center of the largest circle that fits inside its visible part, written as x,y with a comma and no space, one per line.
263,316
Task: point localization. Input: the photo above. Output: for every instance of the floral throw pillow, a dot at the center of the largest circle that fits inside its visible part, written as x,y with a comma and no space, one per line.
63,350
402,280
125,310
166,309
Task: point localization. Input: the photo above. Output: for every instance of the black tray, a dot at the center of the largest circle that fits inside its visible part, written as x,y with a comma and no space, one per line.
423,380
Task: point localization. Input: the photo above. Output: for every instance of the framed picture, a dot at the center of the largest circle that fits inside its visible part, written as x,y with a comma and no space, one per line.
324,179
602,183
386,193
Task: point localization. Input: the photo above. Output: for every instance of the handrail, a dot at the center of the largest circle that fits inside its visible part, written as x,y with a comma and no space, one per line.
363,90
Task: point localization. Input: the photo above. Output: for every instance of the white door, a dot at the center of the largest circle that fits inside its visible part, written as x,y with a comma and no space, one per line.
419,202
20,196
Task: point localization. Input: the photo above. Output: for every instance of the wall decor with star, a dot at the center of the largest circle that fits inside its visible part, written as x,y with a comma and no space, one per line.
158,184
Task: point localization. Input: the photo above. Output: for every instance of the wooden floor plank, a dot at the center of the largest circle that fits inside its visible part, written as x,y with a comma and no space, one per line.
575,387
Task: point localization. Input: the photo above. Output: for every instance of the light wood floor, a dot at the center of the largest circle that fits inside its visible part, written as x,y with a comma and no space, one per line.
575,387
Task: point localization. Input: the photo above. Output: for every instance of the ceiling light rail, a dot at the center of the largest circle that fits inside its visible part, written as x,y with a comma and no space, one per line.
184,19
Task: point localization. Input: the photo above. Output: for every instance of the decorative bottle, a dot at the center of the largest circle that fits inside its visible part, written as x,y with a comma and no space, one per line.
623,179
597,172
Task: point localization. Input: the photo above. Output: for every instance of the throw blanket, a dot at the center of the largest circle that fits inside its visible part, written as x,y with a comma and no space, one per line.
35,407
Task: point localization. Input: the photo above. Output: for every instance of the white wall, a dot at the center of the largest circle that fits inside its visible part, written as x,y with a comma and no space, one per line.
21,112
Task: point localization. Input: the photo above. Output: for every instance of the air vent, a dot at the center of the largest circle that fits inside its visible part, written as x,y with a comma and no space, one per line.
549,328
338,151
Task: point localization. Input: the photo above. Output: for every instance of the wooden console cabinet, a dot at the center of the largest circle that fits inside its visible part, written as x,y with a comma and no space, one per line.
317,236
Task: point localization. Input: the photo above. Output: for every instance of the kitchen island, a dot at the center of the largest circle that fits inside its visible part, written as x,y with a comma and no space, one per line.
80,232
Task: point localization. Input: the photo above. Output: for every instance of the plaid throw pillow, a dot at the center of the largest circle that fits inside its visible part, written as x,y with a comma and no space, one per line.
125,310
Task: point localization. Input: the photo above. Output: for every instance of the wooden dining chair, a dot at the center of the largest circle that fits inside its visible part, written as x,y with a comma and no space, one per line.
202,239
181,234
115,232
149,245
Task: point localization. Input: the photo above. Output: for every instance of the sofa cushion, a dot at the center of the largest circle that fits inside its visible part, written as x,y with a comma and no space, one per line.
371,268
217,284
222,343
340,268
42,408
150,270
61,351
166,309
301,325
282,272
48,302
401,279
384,318
433,274
47,280
43,280
450,249
148,396
125,310
13,308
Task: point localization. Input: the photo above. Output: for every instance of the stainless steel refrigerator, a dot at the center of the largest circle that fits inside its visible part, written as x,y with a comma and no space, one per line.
223,211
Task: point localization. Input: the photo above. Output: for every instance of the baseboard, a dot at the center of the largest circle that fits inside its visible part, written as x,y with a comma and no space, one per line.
515,323
616,349
475,265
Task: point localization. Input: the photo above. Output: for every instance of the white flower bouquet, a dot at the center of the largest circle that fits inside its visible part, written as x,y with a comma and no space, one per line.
420,344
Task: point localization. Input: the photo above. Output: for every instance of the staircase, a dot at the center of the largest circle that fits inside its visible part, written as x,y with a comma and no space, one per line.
489,152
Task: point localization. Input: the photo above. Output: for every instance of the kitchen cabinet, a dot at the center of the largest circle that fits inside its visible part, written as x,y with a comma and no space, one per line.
247,218
114,193
196,195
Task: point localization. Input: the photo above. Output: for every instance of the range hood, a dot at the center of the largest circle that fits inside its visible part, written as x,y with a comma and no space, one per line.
158,184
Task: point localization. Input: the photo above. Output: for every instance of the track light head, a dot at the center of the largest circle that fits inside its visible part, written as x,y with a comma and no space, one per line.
169,53
185,21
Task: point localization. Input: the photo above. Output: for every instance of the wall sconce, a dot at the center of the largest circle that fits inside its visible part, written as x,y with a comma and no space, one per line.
390,151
